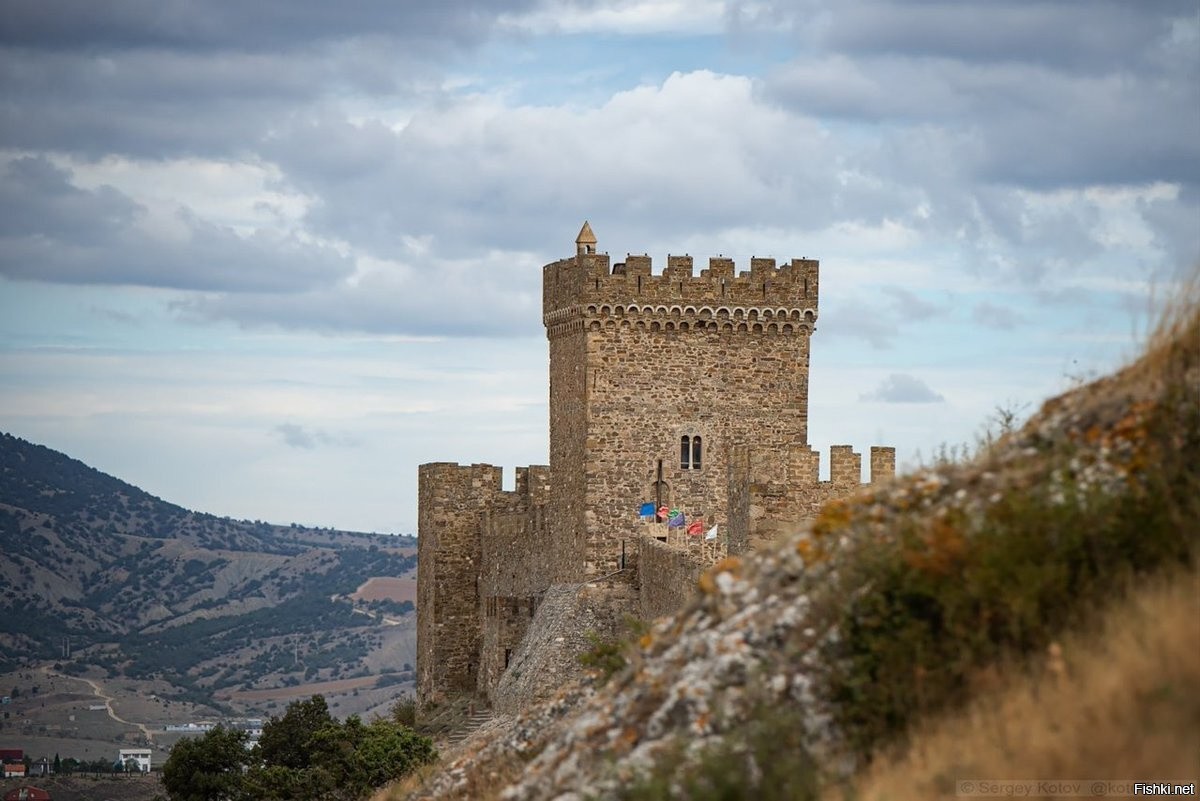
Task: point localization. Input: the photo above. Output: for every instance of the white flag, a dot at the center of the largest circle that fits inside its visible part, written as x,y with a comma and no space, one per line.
712,533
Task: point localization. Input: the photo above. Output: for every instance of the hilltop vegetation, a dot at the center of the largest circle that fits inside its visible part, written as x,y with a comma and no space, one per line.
834,652
142,588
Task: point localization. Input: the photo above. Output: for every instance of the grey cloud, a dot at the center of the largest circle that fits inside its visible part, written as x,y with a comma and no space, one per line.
1053,32
1007,127
954,140
878,323
993,316
171,103
145,78
1040,31
40,202
439,300
902,388
297,436
909,306
1033,94
466,172
1175,227
115,315
52,230
1016,124
234,25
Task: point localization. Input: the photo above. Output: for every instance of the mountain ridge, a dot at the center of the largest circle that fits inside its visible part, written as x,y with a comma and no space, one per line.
102,576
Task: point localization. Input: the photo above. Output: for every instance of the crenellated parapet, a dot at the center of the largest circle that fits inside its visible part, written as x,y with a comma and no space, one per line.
770,492
585,293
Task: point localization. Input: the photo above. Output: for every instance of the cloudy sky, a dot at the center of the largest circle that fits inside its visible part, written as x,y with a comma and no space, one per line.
264,258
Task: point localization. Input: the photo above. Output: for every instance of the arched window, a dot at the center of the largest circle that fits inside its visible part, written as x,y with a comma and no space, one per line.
690,452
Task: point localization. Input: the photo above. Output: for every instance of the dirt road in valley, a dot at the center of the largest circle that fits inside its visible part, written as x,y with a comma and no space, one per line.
108,702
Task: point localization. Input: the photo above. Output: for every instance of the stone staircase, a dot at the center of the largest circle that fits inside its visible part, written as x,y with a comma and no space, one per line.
476,717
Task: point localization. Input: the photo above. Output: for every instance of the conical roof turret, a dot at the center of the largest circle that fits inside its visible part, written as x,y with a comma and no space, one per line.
586,241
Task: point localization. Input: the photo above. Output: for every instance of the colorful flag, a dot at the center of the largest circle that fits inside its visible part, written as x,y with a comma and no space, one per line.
676,520
663,513
647,510
696,528
712,533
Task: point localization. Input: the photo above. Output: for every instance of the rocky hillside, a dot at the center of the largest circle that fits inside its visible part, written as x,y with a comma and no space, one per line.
139,587
789,672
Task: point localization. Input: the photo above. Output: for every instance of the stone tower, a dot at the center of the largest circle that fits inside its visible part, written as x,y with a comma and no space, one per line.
676,389
653,378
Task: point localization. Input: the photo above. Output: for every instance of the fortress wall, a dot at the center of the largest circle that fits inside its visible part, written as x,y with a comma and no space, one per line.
666,578
559,632
451,499
506,620
517,557
517,564
772,502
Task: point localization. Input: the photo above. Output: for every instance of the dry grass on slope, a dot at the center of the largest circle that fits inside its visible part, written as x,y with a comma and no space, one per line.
1122,704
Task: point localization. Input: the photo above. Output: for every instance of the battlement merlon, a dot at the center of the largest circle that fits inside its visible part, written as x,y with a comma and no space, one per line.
588,279
473,476
533,484
444,483
803,465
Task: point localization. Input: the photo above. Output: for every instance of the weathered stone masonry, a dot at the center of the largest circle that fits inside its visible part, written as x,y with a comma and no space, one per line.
685,390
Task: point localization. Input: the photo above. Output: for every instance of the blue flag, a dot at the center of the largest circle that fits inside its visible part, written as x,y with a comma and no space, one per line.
676,521
647,510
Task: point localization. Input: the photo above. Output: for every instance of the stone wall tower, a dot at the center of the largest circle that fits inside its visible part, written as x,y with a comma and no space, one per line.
451,499
653,378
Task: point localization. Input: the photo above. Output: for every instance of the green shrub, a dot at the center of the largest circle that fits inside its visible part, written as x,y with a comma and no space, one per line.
950,594
607,656
765,759
404,711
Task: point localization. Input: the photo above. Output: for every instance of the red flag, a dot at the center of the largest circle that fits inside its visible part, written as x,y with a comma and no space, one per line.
696,528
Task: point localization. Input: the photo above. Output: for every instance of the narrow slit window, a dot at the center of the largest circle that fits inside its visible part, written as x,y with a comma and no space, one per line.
696,454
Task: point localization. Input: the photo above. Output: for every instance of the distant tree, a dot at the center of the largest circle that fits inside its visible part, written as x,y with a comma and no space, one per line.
287,742
57,764
386,750
208,768
346,761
